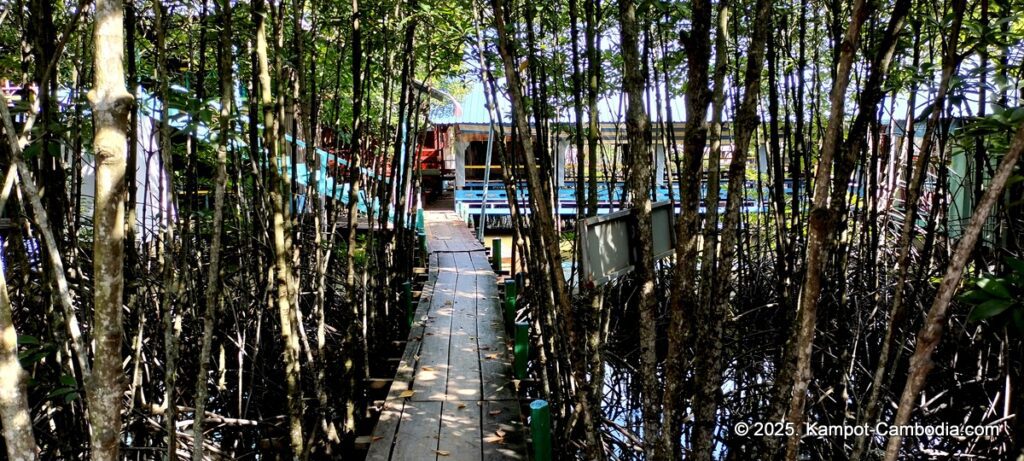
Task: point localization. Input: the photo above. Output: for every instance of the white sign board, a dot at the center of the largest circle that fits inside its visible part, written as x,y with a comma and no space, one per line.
608,241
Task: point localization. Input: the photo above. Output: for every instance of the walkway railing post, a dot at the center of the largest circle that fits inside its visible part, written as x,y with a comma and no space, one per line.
540,429
510,304
407,301
522,349
496,254
421,238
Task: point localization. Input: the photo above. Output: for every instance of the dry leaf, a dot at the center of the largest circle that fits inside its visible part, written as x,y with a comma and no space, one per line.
462,405
427,369
407,393
442,452
376,438
491,356
494,412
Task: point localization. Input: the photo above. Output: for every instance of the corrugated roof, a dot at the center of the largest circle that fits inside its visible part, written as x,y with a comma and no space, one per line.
611,109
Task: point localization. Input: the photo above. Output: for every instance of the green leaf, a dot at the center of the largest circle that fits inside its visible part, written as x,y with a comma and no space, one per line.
68,380
995,287
59,392
975,297
26,339
989,309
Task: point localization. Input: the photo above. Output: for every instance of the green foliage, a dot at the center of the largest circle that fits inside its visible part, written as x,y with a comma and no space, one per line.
999,299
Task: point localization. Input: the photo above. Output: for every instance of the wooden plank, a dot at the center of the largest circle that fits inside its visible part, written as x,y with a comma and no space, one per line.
460,431
463,360
384,432
432,369
418,433
495,357
407,364
504,436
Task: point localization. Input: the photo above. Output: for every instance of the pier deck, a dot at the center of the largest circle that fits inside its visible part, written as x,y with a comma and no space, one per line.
453,397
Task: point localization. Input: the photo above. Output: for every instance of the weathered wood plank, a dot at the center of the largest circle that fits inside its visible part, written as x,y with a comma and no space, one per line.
460,431
407,364
417,435
463,360
495,357
384,432
432,369
504,437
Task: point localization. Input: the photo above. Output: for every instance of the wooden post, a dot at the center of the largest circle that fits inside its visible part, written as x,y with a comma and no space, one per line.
496,254
422,241
540,429
522,349
407,301
510,304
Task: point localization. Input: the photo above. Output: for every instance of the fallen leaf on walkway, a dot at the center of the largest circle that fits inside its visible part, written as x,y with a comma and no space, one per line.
427,369
442,452
376,438
462,405
494,412
407,393
491,356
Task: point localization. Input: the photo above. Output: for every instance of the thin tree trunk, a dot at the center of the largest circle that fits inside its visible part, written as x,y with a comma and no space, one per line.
638,197
111,103
711,314
282,251
14,409
213,294
802,339
683,296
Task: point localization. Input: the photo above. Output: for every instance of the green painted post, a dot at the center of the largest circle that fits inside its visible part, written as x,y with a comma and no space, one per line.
510,304
540,429
496,254
420,225
407,301
522,348
421,237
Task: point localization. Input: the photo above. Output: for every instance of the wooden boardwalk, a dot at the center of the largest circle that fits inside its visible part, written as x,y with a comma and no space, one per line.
453,396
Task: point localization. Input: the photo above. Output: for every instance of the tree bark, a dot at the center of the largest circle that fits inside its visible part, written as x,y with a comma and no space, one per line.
15,415
282,250
213,295
111,103
802,339
683,297
712,312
